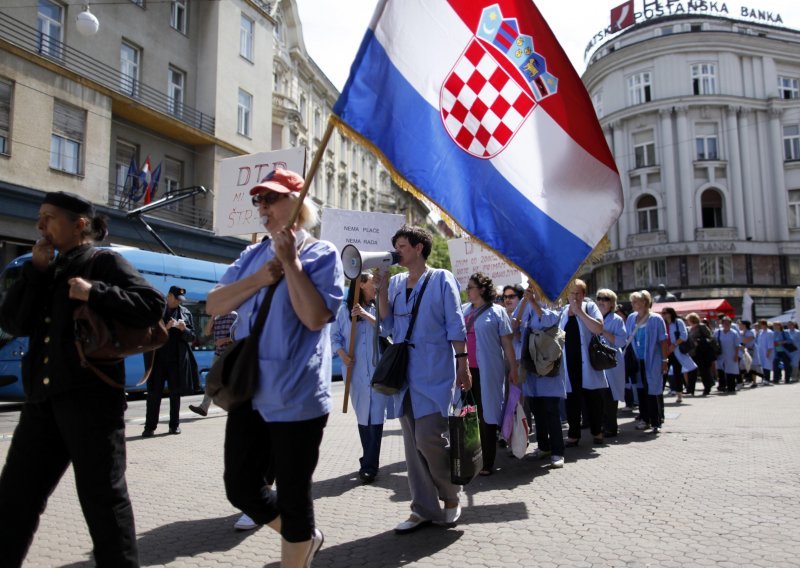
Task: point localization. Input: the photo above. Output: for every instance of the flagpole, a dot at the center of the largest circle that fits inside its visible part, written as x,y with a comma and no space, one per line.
312,171
351,351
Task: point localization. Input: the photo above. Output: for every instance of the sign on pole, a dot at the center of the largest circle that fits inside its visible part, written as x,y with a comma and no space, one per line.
467,257
367,231
234,213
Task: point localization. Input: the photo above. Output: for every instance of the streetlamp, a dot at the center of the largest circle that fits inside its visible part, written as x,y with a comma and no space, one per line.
86,22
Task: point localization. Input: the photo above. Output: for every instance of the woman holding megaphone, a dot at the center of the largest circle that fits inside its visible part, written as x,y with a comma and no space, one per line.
370,406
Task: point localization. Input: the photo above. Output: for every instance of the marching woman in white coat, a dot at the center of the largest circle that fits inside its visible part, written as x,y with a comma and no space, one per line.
615,334
489,348
678,334
370,406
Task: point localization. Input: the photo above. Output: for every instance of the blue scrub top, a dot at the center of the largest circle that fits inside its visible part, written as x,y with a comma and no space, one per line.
728,362
534,385
677,330
492,324
369,405
295,362
655,331
616,376
592,378
431,365
765,346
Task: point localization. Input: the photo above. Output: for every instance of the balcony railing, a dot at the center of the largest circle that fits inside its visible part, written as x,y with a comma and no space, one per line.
30,39
182,212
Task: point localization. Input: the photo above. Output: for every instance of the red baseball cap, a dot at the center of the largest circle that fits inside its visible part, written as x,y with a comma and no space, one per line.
279,181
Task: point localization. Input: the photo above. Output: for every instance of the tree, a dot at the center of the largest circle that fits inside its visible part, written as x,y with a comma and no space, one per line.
440,254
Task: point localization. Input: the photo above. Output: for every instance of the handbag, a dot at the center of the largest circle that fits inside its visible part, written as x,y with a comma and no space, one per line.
519,433
601,355
391,372
788,345
233,378
466,456
106,340
687,346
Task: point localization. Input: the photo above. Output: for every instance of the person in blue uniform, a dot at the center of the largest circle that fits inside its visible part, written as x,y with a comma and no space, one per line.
728,362
490,350
70,415
648,335
615,334
437,366
281,429
369,405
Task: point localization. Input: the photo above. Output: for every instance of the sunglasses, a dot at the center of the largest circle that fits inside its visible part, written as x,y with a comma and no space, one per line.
509,296
270,198
603,299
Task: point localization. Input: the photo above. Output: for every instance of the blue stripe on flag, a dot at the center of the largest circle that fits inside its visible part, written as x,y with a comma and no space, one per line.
380,104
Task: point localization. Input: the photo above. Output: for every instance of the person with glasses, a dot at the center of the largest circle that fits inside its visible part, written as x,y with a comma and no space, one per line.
684,368
280,430
489,349
581,319
614,333
437,365
647,334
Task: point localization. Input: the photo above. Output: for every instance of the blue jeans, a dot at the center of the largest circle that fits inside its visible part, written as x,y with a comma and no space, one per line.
371,445
782,356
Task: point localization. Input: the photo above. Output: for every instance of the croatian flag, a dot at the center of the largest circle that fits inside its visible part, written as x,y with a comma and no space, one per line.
475,105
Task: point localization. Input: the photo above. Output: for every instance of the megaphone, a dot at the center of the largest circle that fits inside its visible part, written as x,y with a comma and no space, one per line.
355,261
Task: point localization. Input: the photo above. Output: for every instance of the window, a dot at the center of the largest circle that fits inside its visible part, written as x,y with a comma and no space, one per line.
124,154
67,138
329,191
129,58
6,88
706,142
639,88
788,88
50,21
303,107
173,175
176,80
139,3
704,79
793,270
597,101
244,113
647,214
606,277
644,149
246,29
711,209
177,15
716,269
794,208
649,272
791,142
343,149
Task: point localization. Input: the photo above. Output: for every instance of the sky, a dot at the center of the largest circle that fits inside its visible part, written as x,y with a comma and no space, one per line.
332,30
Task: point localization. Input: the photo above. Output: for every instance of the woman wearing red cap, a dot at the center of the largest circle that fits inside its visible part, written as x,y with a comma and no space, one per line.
283,424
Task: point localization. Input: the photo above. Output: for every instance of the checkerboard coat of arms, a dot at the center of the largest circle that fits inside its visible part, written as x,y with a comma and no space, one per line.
494,86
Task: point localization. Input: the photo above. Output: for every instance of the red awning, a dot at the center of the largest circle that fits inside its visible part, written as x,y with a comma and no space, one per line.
703,308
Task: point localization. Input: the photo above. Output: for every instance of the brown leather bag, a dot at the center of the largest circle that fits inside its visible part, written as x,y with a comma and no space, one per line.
109,341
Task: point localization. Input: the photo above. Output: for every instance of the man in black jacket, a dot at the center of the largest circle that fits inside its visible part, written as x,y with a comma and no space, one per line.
174,364
70,415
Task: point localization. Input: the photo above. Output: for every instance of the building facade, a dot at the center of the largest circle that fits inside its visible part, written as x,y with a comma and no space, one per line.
702,114
182,84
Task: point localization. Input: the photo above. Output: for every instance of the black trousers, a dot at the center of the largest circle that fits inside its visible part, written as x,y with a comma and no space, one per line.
254,449
690,387
547,417
85,428
163,373
610,406
594,409
651,406
488,431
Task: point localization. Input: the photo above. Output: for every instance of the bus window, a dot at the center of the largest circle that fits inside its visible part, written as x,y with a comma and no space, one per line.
7,279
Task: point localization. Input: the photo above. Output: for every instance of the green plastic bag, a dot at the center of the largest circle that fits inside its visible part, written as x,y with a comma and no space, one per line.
466,457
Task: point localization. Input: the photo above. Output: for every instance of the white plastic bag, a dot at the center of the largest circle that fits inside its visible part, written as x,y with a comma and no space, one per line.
519,433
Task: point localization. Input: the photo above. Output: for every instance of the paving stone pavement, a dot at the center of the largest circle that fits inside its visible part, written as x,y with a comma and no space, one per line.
720,486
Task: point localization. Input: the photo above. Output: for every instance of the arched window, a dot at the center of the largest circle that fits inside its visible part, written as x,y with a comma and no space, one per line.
711,207
647,214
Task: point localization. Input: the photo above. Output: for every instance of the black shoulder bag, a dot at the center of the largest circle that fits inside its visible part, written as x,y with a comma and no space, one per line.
391,373
233,378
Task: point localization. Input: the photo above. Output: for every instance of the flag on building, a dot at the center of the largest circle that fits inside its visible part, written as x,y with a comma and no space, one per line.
622,16
475,105
131,187
152,188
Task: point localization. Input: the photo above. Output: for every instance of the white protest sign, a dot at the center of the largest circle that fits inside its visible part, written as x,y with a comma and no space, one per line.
234,213
367,231
468,257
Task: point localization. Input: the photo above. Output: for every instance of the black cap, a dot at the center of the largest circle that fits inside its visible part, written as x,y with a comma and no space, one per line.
178,292
70,202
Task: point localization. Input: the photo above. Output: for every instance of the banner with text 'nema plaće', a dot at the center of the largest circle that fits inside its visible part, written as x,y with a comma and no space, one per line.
476,106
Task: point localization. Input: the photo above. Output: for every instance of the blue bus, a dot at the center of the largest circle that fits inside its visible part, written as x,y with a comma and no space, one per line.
162,271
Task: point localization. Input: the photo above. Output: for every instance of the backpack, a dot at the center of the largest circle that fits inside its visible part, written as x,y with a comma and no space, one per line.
542,351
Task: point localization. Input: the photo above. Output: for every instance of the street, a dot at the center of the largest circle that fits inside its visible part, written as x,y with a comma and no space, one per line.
720,486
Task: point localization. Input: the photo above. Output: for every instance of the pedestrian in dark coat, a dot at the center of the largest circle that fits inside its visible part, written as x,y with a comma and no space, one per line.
70,415
174,364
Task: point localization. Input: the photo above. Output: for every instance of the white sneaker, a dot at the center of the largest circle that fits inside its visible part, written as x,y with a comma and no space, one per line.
642,425
245,523
556,462
451,516
539,454
317,538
